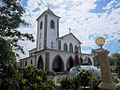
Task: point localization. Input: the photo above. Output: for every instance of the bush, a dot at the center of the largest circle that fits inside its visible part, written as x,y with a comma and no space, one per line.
93,84
8,77
84,77
35,79
30,79
66,83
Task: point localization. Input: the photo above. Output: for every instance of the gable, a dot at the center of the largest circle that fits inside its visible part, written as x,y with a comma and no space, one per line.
70,37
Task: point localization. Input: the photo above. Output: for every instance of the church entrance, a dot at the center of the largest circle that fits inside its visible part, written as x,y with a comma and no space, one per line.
87,61
58,65
70,63
40,63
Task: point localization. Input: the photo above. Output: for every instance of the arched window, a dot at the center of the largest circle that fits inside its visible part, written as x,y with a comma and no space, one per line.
52,25
71,47
41,24
76,48
31,62
65,47
25,63
59,45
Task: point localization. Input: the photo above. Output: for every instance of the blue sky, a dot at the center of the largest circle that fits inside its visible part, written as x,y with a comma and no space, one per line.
88,20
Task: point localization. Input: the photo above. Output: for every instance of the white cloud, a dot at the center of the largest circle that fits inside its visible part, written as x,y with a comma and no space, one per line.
76,14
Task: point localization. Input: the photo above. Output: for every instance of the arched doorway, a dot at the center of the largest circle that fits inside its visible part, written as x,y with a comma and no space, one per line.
81,61
70,63
87,61
40,63
58,64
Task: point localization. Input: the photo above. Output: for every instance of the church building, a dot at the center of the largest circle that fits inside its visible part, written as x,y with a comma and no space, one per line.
54,53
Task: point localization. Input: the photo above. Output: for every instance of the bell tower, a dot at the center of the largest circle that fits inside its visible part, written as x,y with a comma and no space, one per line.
47,30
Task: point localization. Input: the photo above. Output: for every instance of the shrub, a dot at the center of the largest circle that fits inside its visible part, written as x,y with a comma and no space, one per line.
9,77
35,79
93,84
84,77
66,83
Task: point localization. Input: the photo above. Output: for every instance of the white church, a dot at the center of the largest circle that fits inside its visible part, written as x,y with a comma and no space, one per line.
54,53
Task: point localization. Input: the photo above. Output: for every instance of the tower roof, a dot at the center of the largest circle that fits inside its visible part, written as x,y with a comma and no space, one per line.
48,11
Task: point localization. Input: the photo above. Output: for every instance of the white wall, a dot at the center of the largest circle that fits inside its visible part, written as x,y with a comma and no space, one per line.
51,33
69,39
40,40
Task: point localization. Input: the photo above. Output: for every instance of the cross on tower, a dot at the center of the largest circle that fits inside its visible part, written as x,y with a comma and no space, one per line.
52,45
69,30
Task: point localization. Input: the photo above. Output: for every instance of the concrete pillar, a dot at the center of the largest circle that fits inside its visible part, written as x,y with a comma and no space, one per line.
106,83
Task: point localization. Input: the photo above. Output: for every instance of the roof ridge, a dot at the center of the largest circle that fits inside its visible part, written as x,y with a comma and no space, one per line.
70,34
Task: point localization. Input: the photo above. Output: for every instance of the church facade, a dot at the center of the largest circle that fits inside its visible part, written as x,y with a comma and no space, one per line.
54,53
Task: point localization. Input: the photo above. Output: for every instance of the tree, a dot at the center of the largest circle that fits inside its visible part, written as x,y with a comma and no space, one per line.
113,59
117,68
6,53
10,20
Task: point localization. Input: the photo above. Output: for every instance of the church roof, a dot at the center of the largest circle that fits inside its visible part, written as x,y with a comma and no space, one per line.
68,35
48,11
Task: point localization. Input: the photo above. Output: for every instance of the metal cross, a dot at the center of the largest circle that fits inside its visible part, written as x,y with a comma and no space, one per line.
69,30
52,45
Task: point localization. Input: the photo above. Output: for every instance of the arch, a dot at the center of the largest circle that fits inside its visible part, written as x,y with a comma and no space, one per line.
52,24
40,63
41,24
76,48
65,47
70,47
58,64
81,61
70,63
25,63
87,61
31,62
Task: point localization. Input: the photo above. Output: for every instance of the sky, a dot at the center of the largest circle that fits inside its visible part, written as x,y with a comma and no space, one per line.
88,20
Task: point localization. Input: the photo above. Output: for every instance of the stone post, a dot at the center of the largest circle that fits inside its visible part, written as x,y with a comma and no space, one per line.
106,83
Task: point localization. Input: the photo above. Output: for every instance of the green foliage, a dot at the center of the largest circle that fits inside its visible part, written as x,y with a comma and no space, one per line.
118,88
9,77
6,53
29,79
117,68
11,19
84,77
93,84
34,79
76,83
66,83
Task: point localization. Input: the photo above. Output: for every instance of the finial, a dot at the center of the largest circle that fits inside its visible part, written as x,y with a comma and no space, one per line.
69,30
